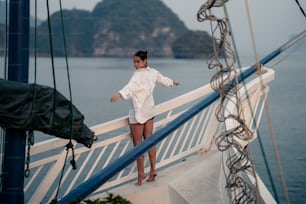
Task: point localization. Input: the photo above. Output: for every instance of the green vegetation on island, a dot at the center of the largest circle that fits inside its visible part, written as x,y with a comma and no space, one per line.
117,28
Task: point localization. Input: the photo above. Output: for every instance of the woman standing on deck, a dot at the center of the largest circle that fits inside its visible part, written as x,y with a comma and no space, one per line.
141,114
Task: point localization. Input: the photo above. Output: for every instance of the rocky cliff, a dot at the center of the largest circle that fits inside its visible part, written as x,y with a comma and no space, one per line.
117,28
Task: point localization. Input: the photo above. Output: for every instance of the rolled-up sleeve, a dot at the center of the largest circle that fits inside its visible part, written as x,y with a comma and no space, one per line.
161,79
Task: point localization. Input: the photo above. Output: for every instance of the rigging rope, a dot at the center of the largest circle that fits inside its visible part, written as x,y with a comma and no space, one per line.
69,145
272,133
51,48
67,69
30,134
232,36
301,9
252,34
270,126
293,49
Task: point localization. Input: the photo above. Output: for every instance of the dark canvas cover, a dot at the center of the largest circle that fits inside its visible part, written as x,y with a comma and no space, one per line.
49,112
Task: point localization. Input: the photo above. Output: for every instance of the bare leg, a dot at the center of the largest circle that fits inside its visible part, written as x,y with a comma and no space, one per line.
148,131
137,132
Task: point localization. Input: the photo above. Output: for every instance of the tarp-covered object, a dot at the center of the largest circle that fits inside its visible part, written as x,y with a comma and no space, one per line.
51,112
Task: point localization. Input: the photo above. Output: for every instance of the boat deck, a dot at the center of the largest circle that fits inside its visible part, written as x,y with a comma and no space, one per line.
194,180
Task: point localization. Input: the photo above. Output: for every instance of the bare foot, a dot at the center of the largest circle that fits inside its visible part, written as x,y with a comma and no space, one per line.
140,179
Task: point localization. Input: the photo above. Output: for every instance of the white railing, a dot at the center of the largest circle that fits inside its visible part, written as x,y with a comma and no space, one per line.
194,136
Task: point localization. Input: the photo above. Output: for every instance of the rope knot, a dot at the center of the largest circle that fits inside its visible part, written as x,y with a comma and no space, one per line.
72,162
69,146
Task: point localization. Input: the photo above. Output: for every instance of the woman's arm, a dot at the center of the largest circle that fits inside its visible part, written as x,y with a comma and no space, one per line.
164,80
115,97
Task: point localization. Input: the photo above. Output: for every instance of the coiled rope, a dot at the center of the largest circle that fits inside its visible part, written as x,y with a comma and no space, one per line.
242,192
220,83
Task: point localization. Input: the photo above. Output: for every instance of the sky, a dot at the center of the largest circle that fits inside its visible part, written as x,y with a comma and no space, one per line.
273,22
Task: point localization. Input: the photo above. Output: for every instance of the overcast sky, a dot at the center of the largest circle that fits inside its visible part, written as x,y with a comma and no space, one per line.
274,21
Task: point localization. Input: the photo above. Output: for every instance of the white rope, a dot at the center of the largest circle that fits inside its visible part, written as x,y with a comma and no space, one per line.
272,132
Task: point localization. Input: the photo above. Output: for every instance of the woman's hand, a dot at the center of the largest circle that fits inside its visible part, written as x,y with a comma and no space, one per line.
176,83
115,97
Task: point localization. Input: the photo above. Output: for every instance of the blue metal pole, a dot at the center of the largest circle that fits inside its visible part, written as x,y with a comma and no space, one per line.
15,140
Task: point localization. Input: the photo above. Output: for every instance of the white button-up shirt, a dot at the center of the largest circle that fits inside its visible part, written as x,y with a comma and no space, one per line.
140,89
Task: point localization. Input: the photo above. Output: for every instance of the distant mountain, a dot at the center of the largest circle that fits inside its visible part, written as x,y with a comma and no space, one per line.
133,25
193,44
78,30
118,28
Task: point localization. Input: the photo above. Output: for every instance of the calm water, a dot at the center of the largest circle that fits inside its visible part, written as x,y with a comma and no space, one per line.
94,80
287,102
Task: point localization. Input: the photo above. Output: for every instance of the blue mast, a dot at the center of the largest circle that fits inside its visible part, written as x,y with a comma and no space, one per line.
18,65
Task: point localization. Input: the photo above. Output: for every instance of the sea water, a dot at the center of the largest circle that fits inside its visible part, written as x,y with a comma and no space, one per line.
286,104
94,80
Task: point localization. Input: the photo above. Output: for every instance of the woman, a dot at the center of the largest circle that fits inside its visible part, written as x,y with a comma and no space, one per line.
141,114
